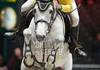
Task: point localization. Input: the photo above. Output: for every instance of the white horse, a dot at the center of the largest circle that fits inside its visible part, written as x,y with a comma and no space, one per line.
44,47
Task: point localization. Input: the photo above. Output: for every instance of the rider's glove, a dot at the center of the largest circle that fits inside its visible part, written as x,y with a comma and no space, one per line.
57,5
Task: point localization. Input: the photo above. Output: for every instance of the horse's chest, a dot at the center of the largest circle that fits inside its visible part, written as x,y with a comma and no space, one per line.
42,50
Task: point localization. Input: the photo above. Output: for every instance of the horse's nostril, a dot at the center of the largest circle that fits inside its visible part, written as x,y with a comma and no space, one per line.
43,36
40,38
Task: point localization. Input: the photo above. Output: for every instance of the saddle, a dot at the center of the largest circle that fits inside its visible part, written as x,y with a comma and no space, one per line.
67,26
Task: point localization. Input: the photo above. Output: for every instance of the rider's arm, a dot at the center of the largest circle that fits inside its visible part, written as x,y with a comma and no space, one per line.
67,7
27,5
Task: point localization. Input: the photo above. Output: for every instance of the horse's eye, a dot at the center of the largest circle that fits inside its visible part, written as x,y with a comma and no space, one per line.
51,11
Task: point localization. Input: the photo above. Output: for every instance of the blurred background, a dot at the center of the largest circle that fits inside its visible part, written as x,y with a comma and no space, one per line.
11,43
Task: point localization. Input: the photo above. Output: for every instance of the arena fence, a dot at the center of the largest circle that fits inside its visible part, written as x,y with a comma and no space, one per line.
86,67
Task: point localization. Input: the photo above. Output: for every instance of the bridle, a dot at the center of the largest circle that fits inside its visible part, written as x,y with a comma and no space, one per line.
53,16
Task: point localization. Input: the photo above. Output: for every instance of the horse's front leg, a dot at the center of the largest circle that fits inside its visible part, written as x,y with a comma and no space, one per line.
27,36
27,53
29,32
24,67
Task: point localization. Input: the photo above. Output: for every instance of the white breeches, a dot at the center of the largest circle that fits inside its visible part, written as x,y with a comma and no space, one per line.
74,15
27,5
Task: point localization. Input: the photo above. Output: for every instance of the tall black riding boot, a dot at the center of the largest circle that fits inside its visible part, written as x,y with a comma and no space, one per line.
74,40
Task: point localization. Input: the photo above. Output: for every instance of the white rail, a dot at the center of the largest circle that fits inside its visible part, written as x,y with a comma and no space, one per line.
90,66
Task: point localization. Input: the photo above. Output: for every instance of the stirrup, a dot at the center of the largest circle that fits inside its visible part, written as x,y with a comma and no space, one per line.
80,52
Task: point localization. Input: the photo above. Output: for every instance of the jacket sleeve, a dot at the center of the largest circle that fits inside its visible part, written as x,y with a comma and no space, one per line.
67,7
27,5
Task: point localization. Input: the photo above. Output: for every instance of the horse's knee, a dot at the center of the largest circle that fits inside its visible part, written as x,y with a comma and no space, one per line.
27,32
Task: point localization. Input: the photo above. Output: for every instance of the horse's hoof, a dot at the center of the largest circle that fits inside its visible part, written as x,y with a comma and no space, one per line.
29,61
49,66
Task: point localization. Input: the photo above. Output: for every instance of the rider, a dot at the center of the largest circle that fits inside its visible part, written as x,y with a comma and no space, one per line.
65,6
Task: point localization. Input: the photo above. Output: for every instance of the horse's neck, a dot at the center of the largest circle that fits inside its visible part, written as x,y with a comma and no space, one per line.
59,13
57,30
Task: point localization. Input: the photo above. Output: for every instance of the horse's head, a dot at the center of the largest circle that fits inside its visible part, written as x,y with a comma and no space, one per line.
43,13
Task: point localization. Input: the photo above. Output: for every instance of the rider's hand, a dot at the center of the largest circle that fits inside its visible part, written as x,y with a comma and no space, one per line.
56,4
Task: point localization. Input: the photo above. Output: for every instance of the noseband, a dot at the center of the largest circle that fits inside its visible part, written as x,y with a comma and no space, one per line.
49,24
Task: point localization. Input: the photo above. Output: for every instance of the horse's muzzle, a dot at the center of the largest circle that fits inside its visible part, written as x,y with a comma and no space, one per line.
40,38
